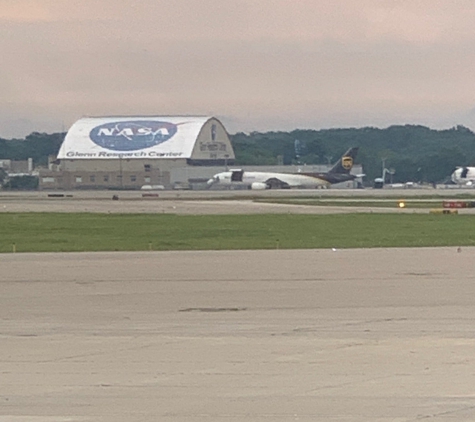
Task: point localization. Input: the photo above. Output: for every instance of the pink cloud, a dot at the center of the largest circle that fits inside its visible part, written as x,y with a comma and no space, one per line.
313,60
22,11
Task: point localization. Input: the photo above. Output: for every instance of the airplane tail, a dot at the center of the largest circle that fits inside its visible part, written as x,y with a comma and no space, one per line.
345,163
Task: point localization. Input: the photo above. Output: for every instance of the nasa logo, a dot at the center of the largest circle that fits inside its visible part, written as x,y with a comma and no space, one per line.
132,135
347,162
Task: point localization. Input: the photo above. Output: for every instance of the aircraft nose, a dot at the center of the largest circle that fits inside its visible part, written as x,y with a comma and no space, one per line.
454,176
214,179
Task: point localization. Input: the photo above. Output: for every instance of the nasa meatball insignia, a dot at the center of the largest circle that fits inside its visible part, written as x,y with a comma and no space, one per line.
132,135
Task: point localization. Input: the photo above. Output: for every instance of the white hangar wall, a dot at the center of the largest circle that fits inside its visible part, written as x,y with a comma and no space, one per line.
159,137
130,151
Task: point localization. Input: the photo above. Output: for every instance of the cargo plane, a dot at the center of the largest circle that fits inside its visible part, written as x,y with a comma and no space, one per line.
464,176
339,173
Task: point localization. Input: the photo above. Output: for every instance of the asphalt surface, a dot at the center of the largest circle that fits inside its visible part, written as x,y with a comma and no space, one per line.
314,335
217,202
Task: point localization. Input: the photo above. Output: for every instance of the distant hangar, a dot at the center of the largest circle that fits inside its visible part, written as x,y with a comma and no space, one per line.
130,152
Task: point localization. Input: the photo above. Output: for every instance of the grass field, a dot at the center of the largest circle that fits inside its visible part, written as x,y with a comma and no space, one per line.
49,232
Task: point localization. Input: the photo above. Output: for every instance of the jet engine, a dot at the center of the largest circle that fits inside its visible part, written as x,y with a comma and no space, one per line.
259,186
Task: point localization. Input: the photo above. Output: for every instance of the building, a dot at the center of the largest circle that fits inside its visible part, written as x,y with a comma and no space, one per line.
130,152
17,168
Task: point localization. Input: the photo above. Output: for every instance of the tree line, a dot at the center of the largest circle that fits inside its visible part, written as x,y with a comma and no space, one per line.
36,145
415,153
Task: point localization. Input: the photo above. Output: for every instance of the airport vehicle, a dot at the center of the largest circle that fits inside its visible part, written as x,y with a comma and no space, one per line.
464,176
340,172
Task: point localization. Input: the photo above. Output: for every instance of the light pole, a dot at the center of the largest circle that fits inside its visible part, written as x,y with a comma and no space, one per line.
120,172
226,156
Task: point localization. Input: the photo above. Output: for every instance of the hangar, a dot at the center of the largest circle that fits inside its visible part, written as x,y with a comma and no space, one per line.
129,152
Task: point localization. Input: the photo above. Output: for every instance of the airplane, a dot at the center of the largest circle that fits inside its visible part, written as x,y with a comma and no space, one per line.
339,173
463,176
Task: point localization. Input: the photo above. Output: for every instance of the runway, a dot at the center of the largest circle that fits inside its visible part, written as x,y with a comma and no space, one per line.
302,335
216,202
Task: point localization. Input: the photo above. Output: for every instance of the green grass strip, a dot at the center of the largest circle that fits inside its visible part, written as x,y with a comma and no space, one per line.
51,232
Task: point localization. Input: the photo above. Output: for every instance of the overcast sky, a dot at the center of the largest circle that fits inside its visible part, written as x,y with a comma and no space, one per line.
256,64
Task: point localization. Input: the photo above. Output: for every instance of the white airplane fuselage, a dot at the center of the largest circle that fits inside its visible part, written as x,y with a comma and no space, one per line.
340,172
260,180
464,176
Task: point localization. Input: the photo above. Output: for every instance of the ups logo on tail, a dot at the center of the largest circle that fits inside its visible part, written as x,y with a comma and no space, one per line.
347,162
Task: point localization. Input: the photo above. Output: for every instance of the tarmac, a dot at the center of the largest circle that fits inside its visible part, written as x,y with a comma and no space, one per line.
277,335
219,202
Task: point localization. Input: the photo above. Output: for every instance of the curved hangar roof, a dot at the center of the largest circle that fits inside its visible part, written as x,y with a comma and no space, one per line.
201,138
